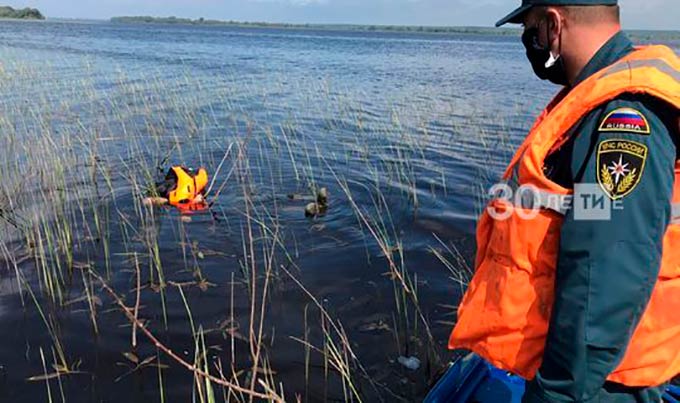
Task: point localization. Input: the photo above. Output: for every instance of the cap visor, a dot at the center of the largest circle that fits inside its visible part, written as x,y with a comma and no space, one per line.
514,17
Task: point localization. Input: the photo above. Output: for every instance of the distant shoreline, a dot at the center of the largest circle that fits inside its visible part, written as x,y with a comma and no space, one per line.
9,13
321,27
638,35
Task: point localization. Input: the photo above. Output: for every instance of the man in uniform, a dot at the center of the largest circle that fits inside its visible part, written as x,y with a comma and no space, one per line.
571,334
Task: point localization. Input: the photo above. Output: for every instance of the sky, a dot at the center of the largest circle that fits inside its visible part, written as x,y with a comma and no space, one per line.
636,14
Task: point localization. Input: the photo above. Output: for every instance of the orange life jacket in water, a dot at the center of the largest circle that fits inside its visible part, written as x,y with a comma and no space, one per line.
187,189
505,313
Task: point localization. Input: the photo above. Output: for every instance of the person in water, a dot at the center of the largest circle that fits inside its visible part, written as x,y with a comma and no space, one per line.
182,188
577,288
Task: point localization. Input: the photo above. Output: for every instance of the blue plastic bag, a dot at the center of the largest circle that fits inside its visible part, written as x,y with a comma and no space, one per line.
472,379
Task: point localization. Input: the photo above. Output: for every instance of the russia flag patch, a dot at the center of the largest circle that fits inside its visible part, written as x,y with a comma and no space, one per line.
625,120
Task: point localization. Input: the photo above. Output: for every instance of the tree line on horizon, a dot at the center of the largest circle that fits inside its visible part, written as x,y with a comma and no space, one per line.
23,14
637,35
344,27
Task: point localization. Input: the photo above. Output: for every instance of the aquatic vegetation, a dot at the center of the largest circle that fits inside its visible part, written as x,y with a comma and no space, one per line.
227,296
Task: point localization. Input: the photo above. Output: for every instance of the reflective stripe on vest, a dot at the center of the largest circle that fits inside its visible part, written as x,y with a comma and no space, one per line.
661,65
675,213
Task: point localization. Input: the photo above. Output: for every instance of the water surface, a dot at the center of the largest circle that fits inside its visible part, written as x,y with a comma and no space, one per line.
416,127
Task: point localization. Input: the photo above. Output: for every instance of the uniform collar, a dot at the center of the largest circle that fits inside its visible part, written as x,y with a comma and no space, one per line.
617,47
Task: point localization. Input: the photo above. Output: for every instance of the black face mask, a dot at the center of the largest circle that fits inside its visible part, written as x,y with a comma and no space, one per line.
542,61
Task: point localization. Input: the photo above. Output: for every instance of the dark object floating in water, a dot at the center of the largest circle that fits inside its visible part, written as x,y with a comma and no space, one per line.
295,196
320,206
322,197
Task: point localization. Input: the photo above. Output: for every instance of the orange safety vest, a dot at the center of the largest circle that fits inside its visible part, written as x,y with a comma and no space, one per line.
505,313
188,188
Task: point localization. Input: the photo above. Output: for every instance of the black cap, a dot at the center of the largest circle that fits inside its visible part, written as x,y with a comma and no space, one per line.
516,16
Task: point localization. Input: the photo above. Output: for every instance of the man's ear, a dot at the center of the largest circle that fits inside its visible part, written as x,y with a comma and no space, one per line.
555,26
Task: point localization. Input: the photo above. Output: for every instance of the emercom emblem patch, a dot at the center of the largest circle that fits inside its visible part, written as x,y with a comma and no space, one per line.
626,120
620,166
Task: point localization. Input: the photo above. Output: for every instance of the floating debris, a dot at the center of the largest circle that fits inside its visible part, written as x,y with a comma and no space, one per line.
374,327
411,363
322,197
131,357
204,284
320,206
295,196
155,201
312,210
